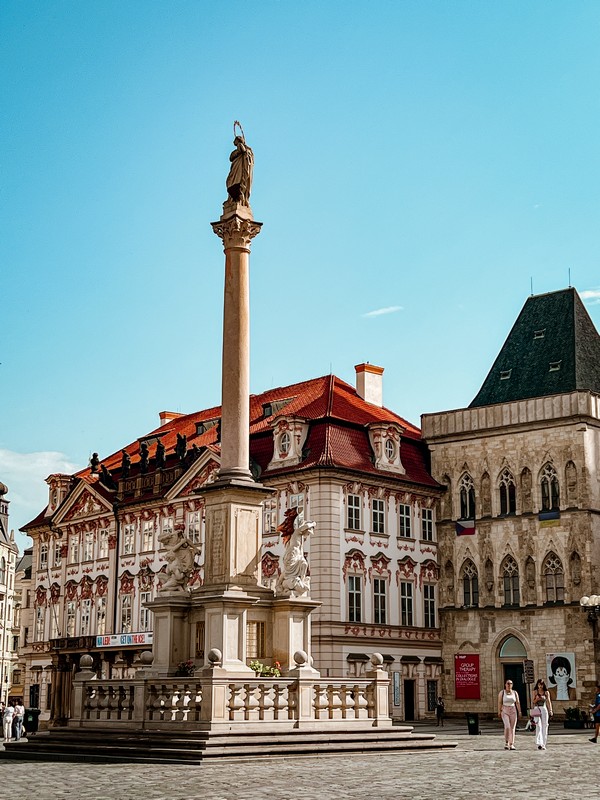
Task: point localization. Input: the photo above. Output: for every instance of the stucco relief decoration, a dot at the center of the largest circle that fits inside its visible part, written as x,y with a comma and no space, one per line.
71,590
145,578
295,487
40,595
194,505
86,588
270,565
378,492
112,541
127,584
379,566
101,585
406,569
429,572
294,580
54,593
354,562
353,488
85,507
64,550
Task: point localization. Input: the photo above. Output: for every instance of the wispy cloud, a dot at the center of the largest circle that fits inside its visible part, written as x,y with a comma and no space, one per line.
25,474
591,296
380,311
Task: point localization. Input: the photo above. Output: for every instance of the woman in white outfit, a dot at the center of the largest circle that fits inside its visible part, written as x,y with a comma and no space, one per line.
541,700
509,711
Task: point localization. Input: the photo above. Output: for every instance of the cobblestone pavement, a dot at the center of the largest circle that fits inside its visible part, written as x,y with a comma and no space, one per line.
479,766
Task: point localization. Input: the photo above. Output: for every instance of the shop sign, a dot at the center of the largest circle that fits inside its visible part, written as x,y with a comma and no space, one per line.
123,639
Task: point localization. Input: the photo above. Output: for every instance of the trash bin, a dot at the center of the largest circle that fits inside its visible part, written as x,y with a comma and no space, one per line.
31,720
472,723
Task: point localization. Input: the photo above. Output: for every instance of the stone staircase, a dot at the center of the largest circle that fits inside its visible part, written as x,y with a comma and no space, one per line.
113,745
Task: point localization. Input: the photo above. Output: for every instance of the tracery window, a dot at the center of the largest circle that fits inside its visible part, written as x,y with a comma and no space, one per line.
470,580
550,488
554,579
508,494
510,574
467,497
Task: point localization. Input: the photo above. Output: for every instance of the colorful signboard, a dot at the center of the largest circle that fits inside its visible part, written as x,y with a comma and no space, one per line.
124,639
466,676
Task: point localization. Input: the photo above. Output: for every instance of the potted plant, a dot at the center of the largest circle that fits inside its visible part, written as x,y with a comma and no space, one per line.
264,671
574,718
185,669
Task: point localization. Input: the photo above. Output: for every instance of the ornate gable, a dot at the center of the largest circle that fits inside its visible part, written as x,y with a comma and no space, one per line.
83,503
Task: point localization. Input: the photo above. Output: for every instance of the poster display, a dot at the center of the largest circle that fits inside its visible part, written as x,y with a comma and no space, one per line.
466,676
561,676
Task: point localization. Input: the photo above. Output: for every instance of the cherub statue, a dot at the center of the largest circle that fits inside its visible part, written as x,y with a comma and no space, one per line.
294,580
180,555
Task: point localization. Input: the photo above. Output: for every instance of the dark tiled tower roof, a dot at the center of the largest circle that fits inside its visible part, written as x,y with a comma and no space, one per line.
552,348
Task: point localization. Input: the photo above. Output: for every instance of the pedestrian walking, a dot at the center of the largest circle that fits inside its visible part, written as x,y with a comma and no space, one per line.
439,711
595,711
19,715
509,711
541,711
7,721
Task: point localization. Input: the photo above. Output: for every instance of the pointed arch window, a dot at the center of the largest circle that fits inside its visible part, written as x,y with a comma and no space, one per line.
470,581
554,579
508,493
467,497
550,488
510,576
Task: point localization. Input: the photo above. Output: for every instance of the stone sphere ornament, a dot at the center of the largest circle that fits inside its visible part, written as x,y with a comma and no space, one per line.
86,661
377,659
146,657
215,656
300,657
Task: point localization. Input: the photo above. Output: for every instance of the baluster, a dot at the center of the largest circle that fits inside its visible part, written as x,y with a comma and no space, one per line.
237,701
252,710
267,698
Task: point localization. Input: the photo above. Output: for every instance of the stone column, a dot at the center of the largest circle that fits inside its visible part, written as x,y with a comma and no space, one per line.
237,229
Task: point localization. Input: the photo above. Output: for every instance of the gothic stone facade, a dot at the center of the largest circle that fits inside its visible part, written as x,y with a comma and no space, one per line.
528,473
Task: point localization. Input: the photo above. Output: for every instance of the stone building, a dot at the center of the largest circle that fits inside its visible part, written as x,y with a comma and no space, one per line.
519,527
22,628
359,471
8,556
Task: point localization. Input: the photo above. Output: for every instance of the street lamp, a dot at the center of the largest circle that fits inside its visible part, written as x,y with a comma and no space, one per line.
591,605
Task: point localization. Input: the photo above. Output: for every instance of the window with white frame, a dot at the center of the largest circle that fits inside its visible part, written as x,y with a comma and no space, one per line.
354,598
296,501
378,516
71,611
404,517
148,535
427,524
128,539
269,516
194,526
74,548
86,612
145,613
429,605
126,615
43,555
380,601
285,442
100,616
406,603
39,624
103,543
88,546
167,528
354,505
57,553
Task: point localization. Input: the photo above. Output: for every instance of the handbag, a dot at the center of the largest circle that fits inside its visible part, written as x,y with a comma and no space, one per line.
536,711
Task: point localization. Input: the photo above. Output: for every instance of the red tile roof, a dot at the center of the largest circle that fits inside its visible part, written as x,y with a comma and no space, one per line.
337,436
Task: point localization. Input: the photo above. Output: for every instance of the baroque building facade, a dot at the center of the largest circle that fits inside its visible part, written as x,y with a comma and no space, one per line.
357,469
8,643
519,526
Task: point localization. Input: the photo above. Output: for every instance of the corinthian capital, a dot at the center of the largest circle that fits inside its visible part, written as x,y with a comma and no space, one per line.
236,231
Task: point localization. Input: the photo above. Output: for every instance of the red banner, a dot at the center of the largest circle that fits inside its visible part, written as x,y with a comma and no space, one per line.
466,676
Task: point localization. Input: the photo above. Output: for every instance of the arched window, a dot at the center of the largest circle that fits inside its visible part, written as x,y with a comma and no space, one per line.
510,575
470,581
550,488
2,570
467,497
554,578
508,494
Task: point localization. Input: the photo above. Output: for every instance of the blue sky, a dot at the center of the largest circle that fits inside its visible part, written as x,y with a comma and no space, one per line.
428,159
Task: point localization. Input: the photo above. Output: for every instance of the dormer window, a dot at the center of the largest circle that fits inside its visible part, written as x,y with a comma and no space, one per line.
555,366
289,436
539,334
385,442
505,374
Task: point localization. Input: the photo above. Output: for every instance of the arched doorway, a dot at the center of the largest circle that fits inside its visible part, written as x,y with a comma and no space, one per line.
512,654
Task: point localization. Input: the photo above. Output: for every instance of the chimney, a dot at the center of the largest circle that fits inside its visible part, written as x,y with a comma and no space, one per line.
167,416
369,383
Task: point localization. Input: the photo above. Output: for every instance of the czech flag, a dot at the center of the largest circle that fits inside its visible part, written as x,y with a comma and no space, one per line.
466,527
